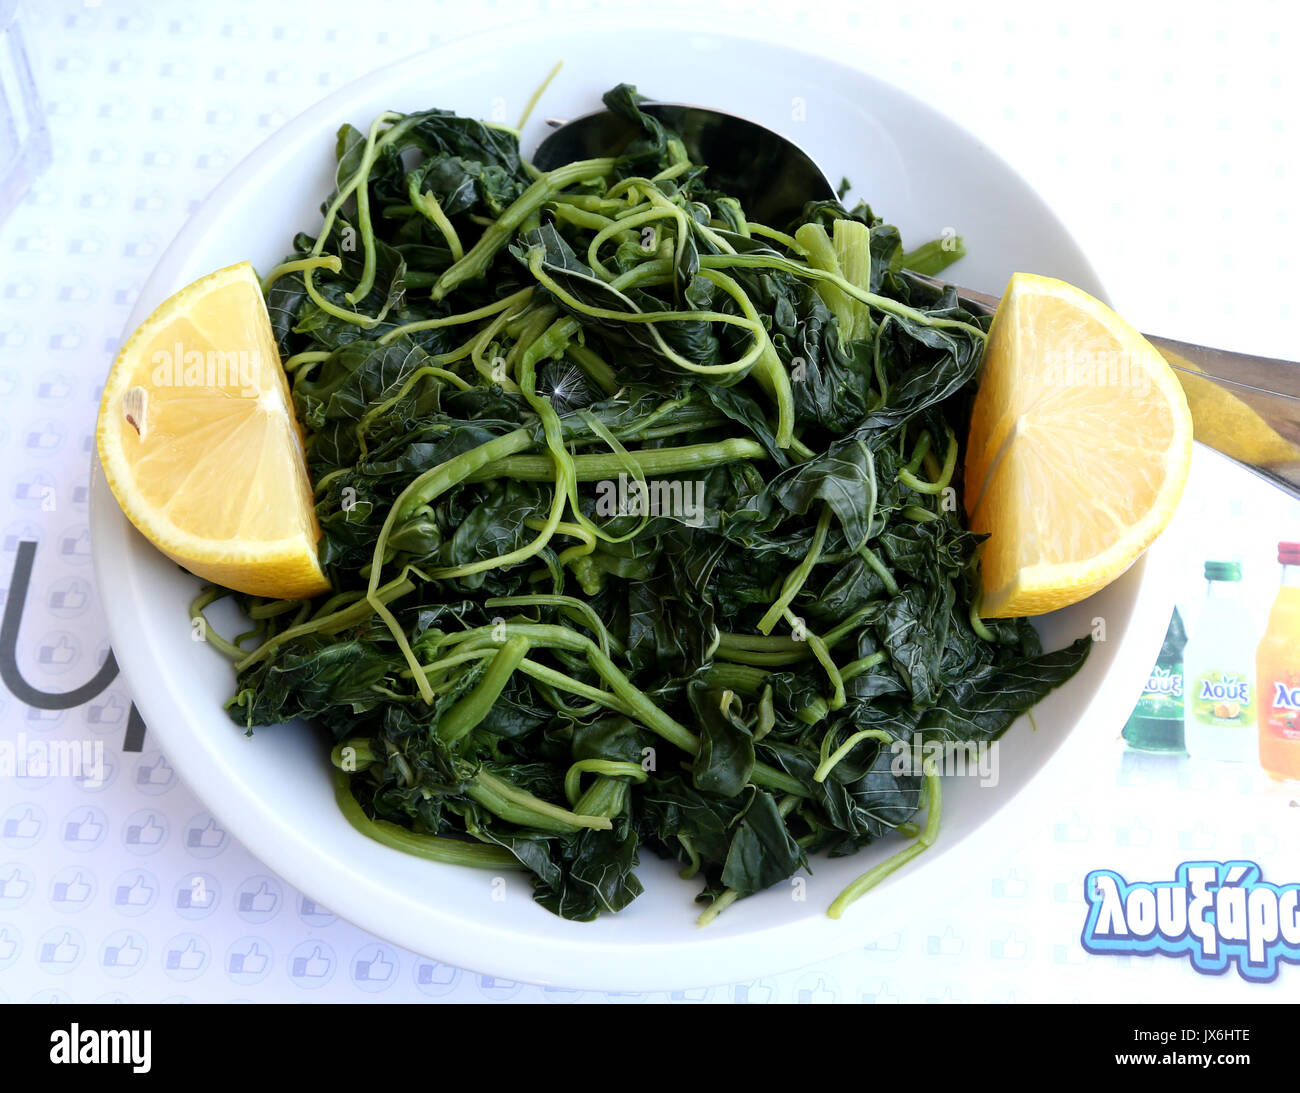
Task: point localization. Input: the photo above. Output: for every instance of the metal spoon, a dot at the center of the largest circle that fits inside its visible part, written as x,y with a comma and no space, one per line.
1244,406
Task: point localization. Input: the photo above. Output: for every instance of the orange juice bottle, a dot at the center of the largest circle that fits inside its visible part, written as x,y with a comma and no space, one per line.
1278,664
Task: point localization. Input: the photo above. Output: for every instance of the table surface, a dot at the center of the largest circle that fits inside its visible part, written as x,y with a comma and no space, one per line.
1165,141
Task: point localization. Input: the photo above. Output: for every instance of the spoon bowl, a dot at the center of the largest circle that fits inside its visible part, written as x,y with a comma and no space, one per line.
771,176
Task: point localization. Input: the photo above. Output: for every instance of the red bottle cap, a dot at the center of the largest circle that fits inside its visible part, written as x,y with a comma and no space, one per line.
1288,553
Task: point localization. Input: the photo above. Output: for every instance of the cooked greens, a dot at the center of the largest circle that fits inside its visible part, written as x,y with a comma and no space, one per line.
641,519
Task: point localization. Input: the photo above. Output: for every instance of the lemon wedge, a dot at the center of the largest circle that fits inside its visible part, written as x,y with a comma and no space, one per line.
199,443
1079,447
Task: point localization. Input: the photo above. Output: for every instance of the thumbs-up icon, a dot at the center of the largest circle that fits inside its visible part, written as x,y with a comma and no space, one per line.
8,945
84,828
126,955
1260,840
428,974
32,489
26,826
251,961
54,386
314,965
75,543
373,966
148,832
260,901
881,993
137,893
72,892
154,771
1011,947
108,710
63,951
816,994
187,959
207,837
14,886
44,436
69,597
946,944
57,651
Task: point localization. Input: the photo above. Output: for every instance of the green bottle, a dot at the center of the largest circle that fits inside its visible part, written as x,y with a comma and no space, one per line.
1156,723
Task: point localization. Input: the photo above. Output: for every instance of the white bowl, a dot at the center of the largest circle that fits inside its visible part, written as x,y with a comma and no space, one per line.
920,171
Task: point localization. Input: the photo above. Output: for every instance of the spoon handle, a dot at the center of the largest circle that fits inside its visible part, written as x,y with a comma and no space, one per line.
1244,406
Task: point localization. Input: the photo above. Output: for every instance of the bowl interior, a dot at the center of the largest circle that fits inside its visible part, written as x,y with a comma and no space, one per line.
920,171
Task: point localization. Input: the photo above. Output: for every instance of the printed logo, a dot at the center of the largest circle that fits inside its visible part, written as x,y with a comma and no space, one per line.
1215,913
1163,681
1228,689
1286,698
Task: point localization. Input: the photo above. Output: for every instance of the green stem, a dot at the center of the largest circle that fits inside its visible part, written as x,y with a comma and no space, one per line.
207,596
649,461
799,575
430,847
610,768
476,261
297,265
487,311
517,806
472,708
809,273
872,877
829,762
333,623
427,205
910,479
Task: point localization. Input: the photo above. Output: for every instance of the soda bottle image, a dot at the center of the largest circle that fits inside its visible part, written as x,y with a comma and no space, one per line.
1156,723
1219,672
1278,663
